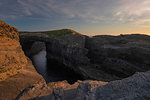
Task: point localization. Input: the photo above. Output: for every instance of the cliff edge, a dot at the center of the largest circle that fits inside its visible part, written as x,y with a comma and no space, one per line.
16,70
12,58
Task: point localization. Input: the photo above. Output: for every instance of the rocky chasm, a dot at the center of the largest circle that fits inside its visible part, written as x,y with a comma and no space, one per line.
104,58
72,66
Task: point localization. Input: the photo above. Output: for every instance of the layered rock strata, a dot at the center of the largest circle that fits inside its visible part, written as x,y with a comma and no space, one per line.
16,70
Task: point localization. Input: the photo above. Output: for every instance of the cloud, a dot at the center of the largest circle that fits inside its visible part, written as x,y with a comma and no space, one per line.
143,22
94,11
89,10
134,7
135,11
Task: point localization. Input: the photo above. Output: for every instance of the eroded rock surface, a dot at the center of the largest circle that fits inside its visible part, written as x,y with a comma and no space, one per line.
122,55
104,58
16,70
66,50
136,87
12,58
13,86
54,89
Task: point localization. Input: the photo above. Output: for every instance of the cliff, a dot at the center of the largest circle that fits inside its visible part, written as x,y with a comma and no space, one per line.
103,57
123,60
122,55
135,87
16,70
12,58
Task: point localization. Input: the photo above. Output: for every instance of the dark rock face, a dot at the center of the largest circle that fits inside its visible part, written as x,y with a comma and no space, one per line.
63,53
33,43
104,58
72,55
57,71
68,50
37,47
121,56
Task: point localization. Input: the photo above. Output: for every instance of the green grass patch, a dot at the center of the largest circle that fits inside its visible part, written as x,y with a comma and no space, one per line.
53,33
56,33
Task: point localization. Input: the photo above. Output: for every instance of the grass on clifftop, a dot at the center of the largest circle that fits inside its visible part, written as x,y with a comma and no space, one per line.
56,33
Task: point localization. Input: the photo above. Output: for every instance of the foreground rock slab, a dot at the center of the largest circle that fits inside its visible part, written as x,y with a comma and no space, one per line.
136,87
51,90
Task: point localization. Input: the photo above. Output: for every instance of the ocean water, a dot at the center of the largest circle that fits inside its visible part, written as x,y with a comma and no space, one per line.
40,62
53,71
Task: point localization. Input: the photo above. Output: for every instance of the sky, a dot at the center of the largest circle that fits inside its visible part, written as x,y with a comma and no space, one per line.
90,17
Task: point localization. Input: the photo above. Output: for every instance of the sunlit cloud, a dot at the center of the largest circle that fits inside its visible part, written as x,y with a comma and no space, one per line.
143,22
136,11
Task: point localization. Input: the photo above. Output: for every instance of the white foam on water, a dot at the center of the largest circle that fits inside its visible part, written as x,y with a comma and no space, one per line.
40,62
